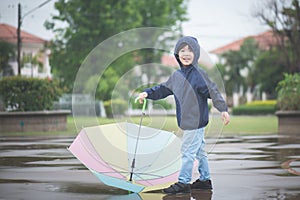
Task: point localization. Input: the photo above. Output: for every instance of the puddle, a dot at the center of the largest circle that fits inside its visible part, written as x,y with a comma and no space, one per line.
251,167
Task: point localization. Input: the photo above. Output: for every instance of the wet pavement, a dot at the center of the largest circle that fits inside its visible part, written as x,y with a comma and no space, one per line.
242,168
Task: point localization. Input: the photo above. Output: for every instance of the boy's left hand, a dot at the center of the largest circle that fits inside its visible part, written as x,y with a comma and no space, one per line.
142,96
226,118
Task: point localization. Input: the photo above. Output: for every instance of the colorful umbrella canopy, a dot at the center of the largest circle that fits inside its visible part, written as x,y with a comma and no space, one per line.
128,156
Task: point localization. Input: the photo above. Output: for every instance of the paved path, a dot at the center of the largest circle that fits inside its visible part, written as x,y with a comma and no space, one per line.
258,167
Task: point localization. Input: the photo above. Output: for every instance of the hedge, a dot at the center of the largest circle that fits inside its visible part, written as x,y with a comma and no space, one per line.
28,94
256,108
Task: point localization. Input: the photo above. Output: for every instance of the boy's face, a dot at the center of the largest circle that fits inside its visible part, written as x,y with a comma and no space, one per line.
186,56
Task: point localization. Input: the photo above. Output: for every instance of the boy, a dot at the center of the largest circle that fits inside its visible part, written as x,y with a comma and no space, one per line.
191,88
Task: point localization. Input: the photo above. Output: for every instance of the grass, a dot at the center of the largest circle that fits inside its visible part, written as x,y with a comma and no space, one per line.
239,125
250,125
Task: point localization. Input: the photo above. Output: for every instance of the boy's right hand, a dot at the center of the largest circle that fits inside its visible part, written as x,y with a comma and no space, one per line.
142,96
226,118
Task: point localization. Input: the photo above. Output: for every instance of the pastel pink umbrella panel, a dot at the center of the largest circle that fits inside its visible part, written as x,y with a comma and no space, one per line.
108,152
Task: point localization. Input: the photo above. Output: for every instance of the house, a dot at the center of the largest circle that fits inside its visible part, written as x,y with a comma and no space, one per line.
265,41
169,60
34,55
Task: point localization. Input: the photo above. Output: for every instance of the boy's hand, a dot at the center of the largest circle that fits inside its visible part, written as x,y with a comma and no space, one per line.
142,96
225,118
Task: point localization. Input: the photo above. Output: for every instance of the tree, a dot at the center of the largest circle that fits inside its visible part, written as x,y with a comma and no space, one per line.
91,22
7,51
268,71
238,68
283,17
88,24
160,14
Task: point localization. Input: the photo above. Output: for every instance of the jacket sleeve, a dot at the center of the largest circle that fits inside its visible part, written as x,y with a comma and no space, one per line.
218,101
158,92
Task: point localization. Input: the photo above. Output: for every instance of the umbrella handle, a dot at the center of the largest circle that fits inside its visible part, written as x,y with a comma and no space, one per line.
144,104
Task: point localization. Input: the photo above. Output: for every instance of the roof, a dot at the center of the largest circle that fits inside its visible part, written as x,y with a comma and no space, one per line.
8,33
169,60
264,40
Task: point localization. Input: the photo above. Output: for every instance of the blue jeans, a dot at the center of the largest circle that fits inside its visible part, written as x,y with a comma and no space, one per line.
193,147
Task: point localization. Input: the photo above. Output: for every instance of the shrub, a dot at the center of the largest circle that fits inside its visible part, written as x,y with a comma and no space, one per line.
28,94
288,97
262,103
115,107
256,108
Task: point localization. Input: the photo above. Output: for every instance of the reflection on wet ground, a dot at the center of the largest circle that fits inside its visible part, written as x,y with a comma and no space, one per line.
253,167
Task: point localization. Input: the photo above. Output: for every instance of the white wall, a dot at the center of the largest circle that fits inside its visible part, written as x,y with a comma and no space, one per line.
30,70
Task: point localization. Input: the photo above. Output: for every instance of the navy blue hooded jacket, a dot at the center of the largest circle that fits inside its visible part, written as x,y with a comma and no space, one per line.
191,88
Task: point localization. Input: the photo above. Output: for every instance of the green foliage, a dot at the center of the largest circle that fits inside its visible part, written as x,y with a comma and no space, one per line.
88,24
269,68
253,110
159,14
262,103
283,19
162,13
105,85
7,52
256,108
115,107
289,92
238,68
28,94
91,22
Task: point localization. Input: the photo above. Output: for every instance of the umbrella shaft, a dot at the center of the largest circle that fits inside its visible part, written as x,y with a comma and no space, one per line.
132,167
138,137
133,164
136,146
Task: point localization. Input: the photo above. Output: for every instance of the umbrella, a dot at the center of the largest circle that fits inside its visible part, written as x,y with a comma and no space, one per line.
129,156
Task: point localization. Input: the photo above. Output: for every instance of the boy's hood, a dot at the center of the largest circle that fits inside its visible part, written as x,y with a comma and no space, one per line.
193,43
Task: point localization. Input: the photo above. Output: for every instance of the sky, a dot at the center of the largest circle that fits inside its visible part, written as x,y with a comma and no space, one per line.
214,23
